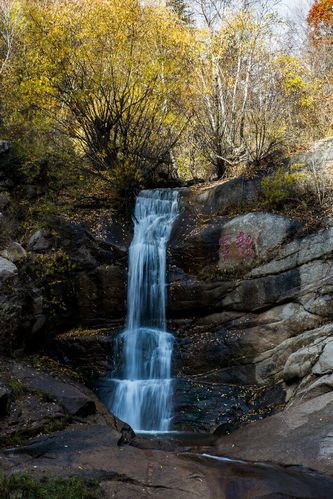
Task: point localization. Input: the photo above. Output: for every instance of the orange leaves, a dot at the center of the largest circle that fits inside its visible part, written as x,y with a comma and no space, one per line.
320,20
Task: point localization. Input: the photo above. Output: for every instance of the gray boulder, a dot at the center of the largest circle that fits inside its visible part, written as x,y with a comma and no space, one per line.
324,364
14,252
221,196
39,241
7,269
254,236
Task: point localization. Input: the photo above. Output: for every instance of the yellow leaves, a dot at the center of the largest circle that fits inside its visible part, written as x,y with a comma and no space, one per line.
292,73
307,101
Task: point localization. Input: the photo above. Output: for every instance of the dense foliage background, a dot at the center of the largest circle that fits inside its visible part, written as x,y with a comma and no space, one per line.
104,97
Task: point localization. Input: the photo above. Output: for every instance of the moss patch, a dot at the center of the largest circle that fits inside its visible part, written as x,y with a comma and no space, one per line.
76,333
50,366
24,486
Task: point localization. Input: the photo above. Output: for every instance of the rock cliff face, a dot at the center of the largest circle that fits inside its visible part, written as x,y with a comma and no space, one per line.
251,306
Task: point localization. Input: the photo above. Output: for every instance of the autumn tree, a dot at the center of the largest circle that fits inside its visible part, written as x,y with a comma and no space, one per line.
9,27
182,9
243,98
319,57
105,76
320,21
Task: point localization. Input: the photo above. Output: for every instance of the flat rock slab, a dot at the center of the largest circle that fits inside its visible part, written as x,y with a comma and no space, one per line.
69,396
129,472
301,434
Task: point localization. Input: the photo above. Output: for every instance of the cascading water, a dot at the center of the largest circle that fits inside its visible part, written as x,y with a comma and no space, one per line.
142,387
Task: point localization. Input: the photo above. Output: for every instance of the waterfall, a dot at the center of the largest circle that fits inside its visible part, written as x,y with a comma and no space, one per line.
142,389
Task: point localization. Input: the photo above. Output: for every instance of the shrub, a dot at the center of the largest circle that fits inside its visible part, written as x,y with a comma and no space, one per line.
283,185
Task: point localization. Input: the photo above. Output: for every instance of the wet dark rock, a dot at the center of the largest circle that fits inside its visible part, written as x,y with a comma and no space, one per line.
127,435
90,351
204,405
101,295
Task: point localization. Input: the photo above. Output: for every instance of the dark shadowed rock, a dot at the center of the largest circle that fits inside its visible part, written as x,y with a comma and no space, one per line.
91,351
42,402
41,240
4,399
101,295
67,394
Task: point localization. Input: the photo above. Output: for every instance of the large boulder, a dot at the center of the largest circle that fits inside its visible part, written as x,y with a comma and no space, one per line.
230,244
319,156
254,236
220,197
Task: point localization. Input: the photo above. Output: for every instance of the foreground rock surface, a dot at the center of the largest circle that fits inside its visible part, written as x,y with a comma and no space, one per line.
302,433
130,472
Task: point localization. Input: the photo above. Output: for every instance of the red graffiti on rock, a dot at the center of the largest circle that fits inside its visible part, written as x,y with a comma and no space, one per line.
240,247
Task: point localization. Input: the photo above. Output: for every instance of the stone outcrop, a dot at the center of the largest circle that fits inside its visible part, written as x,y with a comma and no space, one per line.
90,350
251,305
43,399
68,276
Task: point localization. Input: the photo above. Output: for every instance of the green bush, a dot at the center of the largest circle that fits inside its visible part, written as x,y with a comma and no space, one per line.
283,185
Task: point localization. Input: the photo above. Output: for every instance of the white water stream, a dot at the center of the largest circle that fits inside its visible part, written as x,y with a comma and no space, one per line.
142,389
